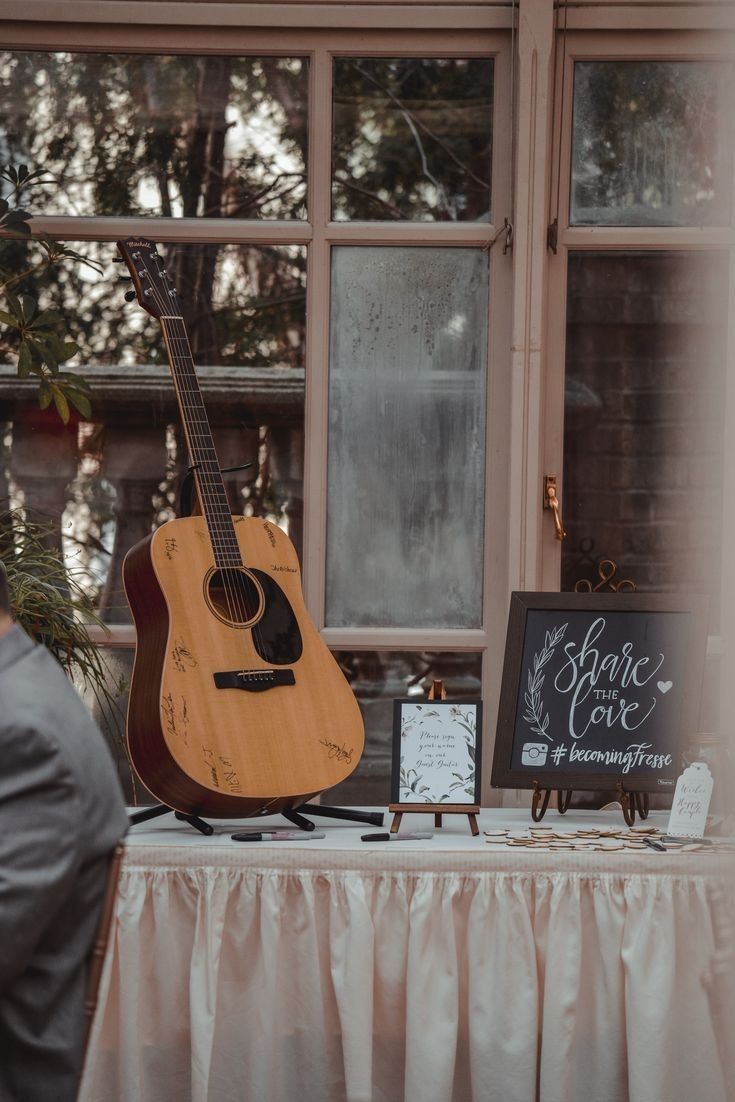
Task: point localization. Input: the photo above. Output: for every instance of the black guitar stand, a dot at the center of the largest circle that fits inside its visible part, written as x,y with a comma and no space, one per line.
156,810
372,818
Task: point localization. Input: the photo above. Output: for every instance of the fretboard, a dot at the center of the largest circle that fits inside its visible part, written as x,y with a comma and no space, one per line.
203,456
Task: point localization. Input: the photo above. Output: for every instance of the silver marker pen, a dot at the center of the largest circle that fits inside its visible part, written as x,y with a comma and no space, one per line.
407,836
277,835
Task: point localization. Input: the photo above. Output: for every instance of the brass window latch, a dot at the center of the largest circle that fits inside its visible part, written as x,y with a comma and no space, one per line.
551,501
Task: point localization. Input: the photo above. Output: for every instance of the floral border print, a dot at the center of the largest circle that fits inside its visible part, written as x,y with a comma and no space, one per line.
436,752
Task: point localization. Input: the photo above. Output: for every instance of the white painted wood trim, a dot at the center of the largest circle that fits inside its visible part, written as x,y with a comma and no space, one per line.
648,15
641,239
388,639
535,50
449,15
317,336
266,231
212,230
411,233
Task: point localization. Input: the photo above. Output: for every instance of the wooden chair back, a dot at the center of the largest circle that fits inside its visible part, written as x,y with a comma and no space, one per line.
99,948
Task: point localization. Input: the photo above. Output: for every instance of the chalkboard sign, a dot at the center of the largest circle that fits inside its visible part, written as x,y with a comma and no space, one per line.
436,754
598,688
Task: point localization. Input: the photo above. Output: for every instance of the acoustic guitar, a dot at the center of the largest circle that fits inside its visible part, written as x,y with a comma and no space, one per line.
236,707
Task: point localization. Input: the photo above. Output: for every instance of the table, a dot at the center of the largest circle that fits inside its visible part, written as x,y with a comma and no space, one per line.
449,970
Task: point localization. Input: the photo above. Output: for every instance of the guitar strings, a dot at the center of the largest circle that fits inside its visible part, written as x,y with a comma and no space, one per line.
214,498
222,531
189,389
215,503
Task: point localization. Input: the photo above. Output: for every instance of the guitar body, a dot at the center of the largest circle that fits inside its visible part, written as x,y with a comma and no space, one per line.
237,707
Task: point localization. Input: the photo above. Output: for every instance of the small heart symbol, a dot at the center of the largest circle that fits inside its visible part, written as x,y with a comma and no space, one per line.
664,686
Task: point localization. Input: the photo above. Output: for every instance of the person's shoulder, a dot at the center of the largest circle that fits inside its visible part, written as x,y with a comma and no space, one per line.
41,705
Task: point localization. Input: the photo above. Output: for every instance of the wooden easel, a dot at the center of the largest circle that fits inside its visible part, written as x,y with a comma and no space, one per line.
436,692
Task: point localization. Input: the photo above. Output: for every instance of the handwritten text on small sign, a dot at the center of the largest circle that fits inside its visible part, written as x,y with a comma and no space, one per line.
435,758
691,801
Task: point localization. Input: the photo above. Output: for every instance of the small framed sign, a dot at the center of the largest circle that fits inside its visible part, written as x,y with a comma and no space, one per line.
598,689
436,756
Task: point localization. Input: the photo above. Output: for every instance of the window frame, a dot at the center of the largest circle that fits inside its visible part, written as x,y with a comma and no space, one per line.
616,45
320,234
528,297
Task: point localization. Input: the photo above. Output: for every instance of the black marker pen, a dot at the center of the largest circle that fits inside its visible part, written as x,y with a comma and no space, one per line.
407,836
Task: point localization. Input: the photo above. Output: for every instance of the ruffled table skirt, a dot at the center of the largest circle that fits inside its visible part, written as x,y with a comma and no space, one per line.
447,972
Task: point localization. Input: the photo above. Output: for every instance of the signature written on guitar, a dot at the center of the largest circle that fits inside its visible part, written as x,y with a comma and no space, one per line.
182,657
176,720
341,753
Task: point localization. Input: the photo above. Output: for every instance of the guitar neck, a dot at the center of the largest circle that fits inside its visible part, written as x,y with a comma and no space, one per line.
210,486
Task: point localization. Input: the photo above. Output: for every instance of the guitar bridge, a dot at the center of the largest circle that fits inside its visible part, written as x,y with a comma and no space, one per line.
254,681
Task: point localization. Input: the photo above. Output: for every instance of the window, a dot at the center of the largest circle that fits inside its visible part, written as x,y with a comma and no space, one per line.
327,216
644,204
400,367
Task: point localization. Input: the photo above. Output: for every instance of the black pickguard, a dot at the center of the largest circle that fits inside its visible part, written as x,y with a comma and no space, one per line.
276,636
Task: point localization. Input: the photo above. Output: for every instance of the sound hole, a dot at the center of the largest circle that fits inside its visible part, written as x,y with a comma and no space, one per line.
234,596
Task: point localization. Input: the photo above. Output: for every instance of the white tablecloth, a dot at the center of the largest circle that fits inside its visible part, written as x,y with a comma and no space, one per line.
441,971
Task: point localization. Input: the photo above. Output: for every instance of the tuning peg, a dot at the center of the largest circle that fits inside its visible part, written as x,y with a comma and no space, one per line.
129,296
125,279
117,260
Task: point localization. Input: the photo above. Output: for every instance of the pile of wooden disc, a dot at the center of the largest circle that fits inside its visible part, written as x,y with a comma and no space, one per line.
604,839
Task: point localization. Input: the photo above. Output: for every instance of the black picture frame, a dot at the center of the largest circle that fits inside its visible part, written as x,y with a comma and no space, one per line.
441,706
513,724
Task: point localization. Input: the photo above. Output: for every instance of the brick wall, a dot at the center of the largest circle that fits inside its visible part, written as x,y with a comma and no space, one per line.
644,417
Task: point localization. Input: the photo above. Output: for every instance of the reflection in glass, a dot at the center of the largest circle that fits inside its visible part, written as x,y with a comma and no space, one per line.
412,138
243,305
377,678
170,135
106,484
406,466
643,427
651,143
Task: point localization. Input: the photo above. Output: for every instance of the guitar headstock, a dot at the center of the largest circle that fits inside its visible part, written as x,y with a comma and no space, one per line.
153,288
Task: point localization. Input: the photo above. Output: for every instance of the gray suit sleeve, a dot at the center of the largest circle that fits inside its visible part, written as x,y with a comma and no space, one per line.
40,821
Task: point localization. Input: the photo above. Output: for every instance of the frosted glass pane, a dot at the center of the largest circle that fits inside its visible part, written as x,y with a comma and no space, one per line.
651,143
407,437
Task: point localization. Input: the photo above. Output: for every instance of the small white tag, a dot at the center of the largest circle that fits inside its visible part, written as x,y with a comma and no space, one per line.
691,801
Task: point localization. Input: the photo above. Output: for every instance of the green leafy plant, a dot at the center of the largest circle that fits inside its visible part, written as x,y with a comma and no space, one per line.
37,337
49,602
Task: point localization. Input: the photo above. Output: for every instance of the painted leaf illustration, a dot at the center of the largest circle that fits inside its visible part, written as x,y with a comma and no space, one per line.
534,714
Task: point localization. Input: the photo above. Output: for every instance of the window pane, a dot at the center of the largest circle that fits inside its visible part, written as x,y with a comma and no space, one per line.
377,678
651,143
412,138
104,485
169,135
643,429
407,437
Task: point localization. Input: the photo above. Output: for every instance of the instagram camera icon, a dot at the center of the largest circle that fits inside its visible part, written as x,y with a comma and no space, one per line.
534,753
